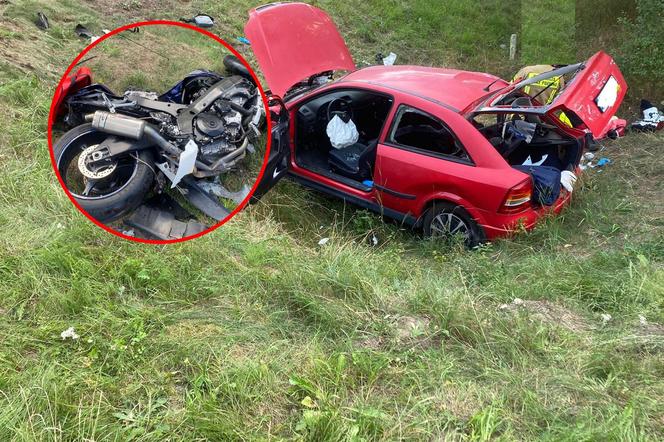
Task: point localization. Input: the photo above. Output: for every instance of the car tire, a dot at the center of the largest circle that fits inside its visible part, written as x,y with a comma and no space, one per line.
112,207
445,219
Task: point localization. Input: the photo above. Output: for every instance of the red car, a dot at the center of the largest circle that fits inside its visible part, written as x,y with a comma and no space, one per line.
436,148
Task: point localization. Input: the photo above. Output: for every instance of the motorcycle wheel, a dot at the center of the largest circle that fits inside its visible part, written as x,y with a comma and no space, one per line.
119,185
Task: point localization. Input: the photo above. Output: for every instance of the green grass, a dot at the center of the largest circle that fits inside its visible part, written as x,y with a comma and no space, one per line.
256,332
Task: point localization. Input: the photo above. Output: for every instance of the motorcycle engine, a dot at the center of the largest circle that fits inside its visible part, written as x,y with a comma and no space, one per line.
219,129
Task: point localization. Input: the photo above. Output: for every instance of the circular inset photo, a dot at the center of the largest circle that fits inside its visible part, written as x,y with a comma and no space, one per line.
158,131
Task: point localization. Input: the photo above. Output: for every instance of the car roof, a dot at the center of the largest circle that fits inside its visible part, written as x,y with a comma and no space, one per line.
453,88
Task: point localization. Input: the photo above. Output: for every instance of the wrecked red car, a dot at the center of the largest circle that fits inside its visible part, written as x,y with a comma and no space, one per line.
444,150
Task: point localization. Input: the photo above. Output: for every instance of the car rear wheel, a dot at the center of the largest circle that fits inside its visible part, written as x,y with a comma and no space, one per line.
448,221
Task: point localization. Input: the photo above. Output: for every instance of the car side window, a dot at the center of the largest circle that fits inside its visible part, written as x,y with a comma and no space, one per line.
419,130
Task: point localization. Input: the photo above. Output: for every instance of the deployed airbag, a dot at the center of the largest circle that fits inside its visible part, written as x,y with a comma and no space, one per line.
342,134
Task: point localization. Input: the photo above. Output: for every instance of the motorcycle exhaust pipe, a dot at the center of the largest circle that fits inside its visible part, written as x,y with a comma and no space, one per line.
133,128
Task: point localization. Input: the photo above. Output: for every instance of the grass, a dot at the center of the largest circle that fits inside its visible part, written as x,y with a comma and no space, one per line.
256,332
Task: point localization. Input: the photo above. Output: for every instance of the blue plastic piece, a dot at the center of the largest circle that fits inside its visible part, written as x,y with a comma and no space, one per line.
243,40
603,162
368,183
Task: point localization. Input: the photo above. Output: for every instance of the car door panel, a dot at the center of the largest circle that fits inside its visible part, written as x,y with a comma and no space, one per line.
407,178
278,162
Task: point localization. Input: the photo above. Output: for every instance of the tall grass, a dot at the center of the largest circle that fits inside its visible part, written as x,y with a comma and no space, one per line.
257,332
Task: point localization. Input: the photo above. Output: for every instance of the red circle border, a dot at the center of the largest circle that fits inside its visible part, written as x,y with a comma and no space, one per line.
168,23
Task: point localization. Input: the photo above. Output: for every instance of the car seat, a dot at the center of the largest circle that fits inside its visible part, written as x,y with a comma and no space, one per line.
354,161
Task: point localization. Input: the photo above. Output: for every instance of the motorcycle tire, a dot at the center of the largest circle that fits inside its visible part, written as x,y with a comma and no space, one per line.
118,202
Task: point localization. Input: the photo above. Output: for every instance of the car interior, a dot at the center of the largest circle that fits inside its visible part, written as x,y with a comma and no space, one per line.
526,139
313,149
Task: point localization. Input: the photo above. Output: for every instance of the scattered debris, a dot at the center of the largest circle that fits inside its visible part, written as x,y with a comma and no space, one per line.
548,312
652,120
606,317
603,162
386,60
200,20
390,59
70,333
323,241
42,21
82,31
374,240
244,40
129,232
216,188
642,320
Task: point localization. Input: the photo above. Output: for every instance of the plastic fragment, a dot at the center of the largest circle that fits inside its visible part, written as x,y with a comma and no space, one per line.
70,333
42,21
390,59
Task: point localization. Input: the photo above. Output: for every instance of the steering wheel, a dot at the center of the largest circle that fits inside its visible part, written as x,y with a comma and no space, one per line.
341,102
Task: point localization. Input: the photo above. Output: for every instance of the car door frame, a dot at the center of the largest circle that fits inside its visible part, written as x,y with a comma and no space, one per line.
365,197
278,160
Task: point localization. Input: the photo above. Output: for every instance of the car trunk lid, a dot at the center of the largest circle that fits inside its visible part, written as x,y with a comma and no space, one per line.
594,94
293,41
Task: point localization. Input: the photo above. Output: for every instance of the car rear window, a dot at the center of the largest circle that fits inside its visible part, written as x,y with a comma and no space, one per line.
418,130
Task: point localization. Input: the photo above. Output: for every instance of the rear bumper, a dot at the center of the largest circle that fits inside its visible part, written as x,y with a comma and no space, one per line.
497,225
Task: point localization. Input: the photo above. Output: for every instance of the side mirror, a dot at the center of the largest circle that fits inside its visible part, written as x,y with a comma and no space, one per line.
200,20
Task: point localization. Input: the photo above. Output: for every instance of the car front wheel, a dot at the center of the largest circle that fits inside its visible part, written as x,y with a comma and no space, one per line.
447,221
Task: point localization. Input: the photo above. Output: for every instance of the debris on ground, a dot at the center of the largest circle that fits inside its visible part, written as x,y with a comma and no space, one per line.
604,161
200,20
70,333
323,241
216,188
386,60
82,31
548,312
390,59
652,120
606,317
42,21
244,40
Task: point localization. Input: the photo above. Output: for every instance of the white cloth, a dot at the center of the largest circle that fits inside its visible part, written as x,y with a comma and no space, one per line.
342,134
567,179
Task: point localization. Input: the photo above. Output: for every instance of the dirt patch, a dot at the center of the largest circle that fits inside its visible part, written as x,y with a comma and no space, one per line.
143,9
371,343
649,329
549,313
410,328
17,43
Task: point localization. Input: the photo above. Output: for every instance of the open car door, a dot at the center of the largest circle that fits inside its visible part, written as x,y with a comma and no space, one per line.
593,95
279,158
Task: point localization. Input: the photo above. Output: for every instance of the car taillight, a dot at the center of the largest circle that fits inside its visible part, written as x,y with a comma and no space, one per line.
518,198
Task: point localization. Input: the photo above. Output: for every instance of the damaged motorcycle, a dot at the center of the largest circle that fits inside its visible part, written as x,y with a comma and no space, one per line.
122,148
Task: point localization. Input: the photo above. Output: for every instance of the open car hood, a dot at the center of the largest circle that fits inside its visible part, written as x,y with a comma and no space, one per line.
293,41
593,95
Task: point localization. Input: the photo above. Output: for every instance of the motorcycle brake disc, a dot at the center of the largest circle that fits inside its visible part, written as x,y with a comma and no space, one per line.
88,168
